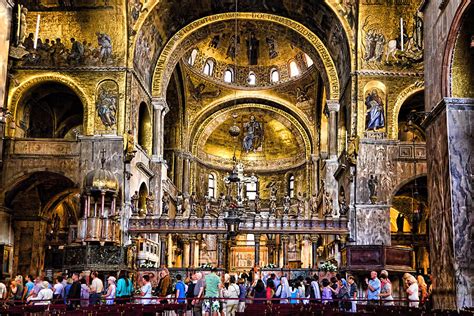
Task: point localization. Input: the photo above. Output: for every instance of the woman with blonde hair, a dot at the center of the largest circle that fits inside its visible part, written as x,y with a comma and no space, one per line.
422,288
412,291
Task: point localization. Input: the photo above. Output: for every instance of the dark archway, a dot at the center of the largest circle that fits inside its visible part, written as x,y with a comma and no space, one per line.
410,118
50,110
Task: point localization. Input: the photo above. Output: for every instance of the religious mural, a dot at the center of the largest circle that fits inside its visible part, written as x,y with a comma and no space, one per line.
106,105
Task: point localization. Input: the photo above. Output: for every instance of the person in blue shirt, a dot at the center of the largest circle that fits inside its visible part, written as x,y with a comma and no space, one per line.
374,286
29,284
124,288
180,293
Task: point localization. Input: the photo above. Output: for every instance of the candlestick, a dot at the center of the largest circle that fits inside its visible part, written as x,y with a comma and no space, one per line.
19,23
401,33
37,31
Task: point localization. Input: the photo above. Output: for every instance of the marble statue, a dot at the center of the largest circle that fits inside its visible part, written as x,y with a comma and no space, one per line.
194,202
299,205
135,197
186,207
328,208
150,199
222,203
343,207
179,204
353,149
286,204
314,205
23,24
273,201
130,150
257,203
372,184
165,203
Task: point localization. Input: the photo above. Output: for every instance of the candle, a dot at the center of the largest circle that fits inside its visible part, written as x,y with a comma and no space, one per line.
19,23
401,32
37,31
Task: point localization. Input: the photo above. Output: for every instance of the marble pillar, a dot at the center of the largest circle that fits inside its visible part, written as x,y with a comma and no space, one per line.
170,248
450,130
314,251
187,158
257,249
158,165
192,250
5,24
163,239
284,246
373,224
333,108
186,247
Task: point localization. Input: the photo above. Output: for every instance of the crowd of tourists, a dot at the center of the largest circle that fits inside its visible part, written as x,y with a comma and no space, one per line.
210,293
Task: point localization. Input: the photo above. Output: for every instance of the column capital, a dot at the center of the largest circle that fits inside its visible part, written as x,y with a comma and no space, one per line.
333,105
160,104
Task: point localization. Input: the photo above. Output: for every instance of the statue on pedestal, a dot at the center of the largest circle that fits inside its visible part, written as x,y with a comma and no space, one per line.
257,203
327,204
186,208
372,184
273,201
314,205
165,201
179,204
286,204
193,201
343,207
135,197
299,205
400,222
149,204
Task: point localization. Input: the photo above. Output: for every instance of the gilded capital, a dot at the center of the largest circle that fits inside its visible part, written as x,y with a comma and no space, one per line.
333,105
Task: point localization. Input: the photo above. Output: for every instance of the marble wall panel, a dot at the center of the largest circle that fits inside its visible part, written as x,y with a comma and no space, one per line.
372,225
460,120
441,230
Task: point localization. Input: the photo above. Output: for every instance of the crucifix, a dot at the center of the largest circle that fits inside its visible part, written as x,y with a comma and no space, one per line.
238,177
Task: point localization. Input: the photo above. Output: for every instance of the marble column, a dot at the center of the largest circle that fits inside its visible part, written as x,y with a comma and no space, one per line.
449,130
158,164
186,251
257,249
333,108
187,158
221,246
192,249
163,239
284,246
5,24
314,251
170,251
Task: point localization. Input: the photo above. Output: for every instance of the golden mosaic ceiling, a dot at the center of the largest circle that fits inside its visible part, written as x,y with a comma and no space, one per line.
250,46
280,144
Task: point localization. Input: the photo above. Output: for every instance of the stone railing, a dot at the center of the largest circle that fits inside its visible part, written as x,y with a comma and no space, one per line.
43,147
249,224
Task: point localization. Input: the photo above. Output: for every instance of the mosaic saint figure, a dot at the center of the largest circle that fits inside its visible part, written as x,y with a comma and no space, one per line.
253,135
375,112
252,49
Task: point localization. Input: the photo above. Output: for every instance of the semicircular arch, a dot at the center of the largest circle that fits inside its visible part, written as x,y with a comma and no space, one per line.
401,99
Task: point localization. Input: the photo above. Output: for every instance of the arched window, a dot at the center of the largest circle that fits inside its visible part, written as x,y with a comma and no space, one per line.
309,61
192,57
291,186
274,75
294,70
211,186
229,75
251,190
208,67
252,79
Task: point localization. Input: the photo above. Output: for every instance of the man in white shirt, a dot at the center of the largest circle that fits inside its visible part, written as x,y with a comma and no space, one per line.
146,290
58,288
96,288
45,295
3,291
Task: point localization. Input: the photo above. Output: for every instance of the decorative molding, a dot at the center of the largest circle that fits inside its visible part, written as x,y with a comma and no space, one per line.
387,73
147,171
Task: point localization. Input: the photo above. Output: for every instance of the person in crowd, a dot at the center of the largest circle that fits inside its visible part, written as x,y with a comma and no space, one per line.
146,290
13,294
283,290
85,293
271,290
67,289
190,283
242,295
232,293
21,291
334,289
352,293
259,292
124,288
295,292
164,285
198,293
96,288
211,287
374,286
412,291
385,290
275,279
3,291
29,285
74,296
314,291
326,292
45,295
180,292
58,288
422,289
111,291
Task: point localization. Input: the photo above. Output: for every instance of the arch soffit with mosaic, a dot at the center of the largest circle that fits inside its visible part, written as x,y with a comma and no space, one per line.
214,107
16,96
169,58
198,131
401,99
